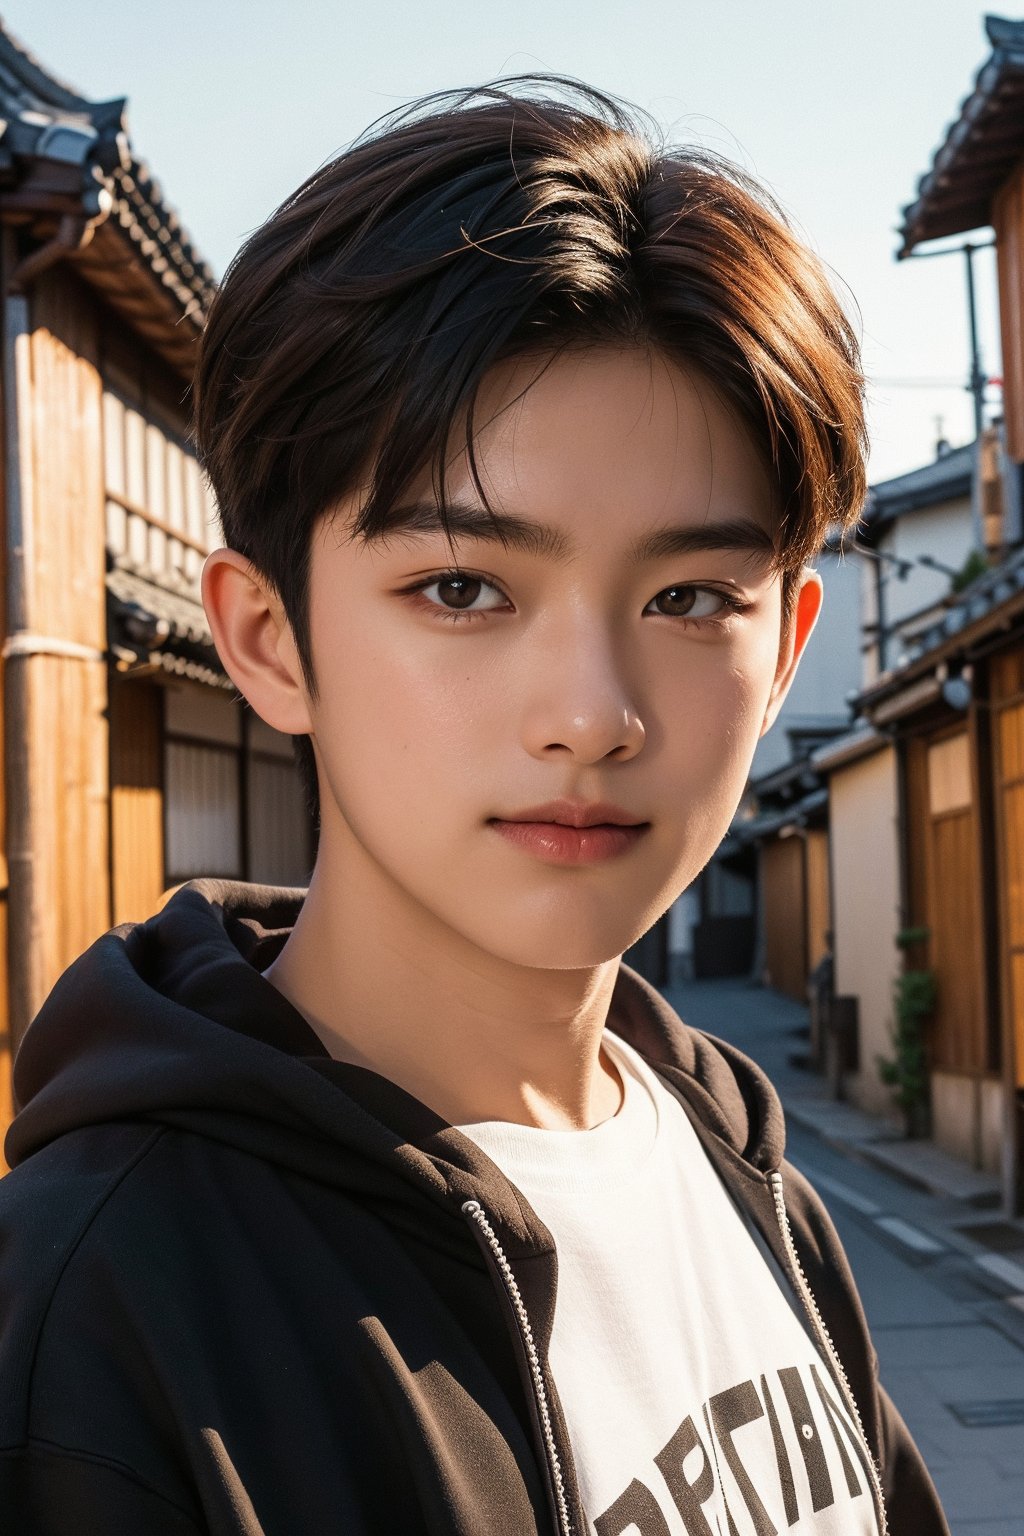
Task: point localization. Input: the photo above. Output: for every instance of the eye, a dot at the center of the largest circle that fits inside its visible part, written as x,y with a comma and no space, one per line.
458,593
685,602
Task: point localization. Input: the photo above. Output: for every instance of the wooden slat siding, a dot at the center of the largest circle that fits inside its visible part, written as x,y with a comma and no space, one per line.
136,799
1007,672
1007,681
60,891
6,1053
783,893
819,915
915,833
1013,821
959,1036
159,510
1008,220
981,733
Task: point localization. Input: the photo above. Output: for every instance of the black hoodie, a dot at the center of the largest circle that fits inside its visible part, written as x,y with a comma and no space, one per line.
248,1290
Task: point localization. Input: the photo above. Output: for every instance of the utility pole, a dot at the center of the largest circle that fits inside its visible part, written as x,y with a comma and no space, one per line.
976,379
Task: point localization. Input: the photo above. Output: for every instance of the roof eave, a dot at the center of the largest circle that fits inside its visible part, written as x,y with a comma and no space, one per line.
980,149
1001,618
65,158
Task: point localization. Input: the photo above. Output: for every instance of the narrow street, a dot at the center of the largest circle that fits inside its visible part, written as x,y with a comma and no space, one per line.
942,1278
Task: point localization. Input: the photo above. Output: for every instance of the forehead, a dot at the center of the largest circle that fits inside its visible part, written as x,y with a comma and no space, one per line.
609,444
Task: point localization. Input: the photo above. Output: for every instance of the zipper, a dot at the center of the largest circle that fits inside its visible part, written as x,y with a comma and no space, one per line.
829,1350
475,1212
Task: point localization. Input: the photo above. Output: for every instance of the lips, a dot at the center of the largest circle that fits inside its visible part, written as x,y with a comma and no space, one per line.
571,832
555,842
576,813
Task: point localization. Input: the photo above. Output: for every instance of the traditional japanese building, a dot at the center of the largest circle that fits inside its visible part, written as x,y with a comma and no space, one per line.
926,794
761,904
130,761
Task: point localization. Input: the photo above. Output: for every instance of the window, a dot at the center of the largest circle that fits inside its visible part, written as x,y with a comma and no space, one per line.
949,775
233,803
160,512
202,756
279,829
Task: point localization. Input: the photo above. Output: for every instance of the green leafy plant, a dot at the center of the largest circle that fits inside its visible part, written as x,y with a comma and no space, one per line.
906,1070
974,566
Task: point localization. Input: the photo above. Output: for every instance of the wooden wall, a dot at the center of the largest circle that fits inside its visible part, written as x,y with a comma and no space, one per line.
6,1051
783,893
136,798
59,884
1008,705
945,894
1008,219
819,914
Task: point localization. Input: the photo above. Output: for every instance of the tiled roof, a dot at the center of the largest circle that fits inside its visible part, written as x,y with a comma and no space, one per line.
63,155
148,616
946,478
861,740
765,824
980,149
986,593
994,599
45,120
182,666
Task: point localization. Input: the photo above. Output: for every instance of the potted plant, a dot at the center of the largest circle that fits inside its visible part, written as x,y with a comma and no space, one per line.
906,1070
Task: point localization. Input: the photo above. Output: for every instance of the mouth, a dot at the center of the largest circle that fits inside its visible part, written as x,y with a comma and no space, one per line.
574,813
563,842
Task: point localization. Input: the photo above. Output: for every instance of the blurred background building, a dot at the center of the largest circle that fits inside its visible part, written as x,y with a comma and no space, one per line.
881,836
130,761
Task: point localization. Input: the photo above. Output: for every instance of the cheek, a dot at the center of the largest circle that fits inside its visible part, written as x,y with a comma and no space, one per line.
395,728
717,757
722,693
712,723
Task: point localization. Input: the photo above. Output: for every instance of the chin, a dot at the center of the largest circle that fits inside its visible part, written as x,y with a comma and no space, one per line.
562,947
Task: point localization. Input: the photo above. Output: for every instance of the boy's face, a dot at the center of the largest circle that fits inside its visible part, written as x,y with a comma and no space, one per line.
581,673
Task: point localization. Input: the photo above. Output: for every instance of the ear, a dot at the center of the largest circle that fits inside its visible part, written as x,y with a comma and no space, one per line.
254,641
806,608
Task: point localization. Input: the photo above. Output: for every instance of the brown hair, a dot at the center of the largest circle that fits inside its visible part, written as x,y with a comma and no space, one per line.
521,216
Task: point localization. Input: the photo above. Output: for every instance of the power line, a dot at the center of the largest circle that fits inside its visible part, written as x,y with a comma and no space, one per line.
935,383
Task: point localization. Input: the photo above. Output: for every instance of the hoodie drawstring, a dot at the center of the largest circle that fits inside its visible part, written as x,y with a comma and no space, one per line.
475,1212
825,1343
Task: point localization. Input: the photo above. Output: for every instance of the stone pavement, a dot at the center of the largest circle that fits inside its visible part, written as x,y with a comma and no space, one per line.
940,1270
772,1028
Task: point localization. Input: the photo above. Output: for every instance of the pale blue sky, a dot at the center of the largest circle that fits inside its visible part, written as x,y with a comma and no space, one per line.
837,107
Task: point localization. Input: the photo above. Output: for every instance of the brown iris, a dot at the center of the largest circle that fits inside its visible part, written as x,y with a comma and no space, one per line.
679,599
465,590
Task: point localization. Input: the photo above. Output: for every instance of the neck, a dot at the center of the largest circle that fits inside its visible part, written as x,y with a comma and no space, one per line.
386,985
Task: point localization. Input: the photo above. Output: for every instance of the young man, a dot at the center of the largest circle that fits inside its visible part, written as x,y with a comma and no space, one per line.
399,1205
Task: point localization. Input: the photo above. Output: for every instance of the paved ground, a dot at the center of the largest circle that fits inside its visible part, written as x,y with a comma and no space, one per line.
941,1272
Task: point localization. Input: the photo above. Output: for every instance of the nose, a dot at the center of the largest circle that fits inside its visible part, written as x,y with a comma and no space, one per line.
580,699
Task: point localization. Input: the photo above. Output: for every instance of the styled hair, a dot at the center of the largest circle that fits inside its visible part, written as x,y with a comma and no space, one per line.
352,331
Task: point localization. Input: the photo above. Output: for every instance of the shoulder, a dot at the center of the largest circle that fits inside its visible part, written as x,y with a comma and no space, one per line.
47,1202
47,1205
50,1200
102,1294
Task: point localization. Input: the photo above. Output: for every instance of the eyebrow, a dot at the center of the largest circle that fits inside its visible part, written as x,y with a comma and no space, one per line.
533,538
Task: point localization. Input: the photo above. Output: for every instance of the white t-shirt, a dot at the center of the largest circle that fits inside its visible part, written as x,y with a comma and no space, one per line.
697,1403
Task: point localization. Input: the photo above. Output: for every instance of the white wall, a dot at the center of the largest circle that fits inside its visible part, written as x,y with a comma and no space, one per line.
866,909
830,667
942,531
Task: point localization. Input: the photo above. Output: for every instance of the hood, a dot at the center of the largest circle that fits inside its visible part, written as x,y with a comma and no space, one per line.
170,1022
